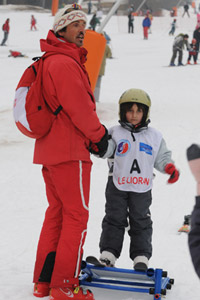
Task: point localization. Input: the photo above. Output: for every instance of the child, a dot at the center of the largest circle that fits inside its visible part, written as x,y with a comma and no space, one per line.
137,150
146,25
193,52
173,27
33,22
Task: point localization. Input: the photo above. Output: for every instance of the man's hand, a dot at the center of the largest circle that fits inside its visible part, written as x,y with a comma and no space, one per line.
100,148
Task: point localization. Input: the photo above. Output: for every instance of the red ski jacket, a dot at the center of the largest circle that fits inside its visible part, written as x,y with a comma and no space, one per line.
15,53
33,21
66,83
6,26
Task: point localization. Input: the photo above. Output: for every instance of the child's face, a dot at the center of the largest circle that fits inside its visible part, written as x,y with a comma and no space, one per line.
134,115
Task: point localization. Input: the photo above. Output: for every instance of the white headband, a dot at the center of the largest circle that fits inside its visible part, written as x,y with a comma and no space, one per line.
61,20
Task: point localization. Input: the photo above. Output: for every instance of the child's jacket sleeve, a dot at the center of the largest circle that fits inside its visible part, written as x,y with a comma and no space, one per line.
163,157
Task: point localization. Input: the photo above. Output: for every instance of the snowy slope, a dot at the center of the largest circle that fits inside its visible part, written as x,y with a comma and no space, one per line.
175,112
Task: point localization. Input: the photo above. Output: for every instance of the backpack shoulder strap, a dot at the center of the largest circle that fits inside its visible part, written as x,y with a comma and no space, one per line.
39,77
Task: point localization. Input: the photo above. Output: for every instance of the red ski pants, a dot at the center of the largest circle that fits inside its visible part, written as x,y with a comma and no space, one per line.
145,29
65,224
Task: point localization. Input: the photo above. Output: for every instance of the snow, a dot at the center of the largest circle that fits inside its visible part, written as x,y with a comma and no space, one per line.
174,91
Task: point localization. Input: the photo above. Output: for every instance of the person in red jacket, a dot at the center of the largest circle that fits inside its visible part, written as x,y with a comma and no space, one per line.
33,22
16,54
64,154
6,29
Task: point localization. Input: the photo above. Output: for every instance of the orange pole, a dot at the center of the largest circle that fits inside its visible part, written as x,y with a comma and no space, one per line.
95,43
54,7
175,11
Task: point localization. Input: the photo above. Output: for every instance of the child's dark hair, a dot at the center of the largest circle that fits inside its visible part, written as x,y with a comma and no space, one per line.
124,107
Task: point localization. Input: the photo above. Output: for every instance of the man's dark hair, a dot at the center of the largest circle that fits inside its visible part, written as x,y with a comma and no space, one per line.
61,30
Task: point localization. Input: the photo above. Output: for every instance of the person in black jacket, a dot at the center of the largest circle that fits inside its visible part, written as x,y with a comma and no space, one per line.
93,22
130,23
193,156
186,10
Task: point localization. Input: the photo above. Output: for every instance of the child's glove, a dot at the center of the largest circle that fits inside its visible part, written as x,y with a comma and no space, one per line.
174,173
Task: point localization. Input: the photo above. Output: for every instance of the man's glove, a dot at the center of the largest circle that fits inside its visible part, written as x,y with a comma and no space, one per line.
193,156
174,173
100,147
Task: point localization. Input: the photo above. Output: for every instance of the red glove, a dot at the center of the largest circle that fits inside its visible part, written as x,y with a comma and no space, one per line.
174,173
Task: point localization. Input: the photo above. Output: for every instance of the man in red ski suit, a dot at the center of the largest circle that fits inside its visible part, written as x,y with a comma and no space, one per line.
6,29
65,157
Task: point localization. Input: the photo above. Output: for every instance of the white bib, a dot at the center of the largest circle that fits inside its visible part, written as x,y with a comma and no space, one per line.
134,160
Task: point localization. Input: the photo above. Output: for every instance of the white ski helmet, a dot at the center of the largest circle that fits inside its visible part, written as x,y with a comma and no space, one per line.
137,96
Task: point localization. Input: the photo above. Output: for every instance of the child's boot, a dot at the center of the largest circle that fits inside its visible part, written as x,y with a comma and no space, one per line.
77,293
107,258
41,289
140,263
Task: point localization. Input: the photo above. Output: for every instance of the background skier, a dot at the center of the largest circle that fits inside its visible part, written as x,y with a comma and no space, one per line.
6,30
93,22
186,10
16,54
33,23
89,7
180,41
173,27
193,52
146,25
196,36
130,23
